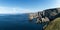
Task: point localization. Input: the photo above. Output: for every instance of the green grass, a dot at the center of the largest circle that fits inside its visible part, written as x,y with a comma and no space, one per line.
54,25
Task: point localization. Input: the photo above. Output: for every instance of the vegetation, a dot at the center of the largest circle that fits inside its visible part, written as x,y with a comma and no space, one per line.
54,25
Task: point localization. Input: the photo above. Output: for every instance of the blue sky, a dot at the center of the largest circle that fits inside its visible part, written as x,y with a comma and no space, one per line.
26,6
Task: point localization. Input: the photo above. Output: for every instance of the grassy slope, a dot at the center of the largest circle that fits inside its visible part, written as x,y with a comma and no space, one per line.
54,25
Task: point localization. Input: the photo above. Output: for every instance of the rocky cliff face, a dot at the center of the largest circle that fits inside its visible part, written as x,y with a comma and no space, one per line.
49,13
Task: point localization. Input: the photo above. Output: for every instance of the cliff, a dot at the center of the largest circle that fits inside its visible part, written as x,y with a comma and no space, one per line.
48,15
51,14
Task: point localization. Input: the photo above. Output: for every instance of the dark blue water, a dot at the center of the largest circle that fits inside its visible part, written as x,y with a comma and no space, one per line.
18,22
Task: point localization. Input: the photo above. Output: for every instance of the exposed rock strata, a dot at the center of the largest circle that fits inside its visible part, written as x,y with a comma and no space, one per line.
46,15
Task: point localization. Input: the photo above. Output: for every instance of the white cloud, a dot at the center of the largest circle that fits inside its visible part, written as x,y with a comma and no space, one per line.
6,10
57,3
9,10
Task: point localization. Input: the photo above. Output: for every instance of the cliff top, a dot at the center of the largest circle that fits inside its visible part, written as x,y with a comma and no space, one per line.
54,25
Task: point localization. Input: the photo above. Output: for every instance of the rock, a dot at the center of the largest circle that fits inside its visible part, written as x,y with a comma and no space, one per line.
31,16
46,19
46,15
38,21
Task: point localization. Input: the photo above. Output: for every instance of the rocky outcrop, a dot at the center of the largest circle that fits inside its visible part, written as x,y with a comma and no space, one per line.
33,15
46,15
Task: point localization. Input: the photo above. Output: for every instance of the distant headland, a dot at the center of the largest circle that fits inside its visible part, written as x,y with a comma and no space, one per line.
47,15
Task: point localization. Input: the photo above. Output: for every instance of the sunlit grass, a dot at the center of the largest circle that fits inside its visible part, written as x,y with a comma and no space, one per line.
54,25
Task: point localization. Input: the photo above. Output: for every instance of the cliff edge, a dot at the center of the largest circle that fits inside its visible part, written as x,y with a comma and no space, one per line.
54,25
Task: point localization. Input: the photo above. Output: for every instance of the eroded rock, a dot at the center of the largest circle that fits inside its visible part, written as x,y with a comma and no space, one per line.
46,15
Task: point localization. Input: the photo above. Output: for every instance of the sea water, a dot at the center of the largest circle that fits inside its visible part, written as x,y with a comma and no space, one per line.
18,22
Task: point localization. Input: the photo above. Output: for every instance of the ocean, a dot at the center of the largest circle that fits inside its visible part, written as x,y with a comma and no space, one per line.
18,22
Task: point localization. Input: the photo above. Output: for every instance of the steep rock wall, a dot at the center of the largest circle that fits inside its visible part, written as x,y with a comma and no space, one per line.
49,13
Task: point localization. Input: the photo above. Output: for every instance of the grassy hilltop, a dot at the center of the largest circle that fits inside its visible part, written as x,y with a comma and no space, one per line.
54,25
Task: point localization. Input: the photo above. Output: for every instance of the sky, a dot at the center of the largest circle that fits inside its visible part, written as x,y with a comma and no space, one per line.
26,6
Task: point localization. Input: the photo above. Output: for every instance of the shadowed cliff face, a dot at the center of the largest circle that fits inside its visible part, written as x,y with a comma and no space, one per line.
49,13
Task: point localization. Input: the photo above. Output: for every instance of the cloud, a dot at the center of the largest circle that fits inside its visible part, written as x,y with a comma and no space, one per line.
6,10
16,10
9,10
57,3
